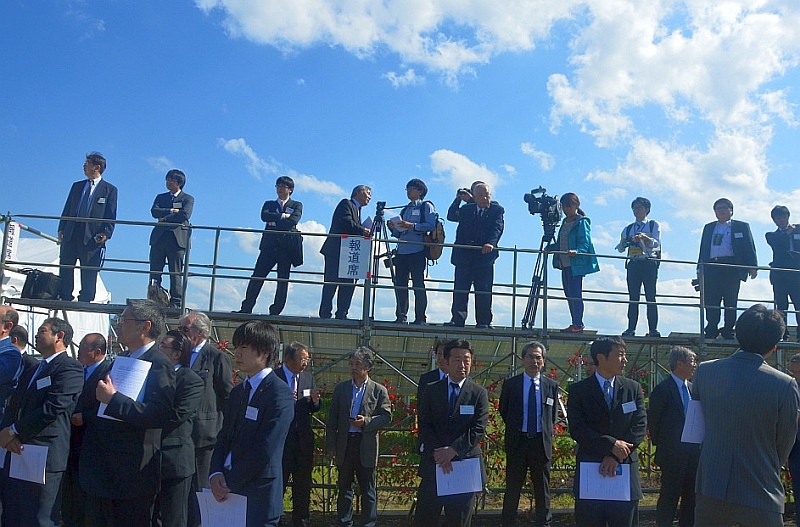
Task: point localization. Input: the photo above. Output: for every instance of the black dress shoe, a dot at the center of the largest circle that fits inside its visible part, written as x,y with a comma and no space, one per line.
629,333
484,326
728,335
242,312
399,320
654,333
454,324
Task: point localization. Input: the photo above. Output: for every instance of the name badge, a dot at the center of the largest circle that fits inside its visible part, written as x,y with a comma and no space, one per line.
43,383
251,413
101,201
628,407
289,210
307,392
467,409
738,235
796,236
549,401
415,212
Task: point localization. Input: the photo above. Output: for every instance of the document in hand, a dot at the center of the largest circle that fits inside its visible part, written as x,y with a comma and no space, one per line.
465,477
694,428
128,376
30,464
232,512
594,486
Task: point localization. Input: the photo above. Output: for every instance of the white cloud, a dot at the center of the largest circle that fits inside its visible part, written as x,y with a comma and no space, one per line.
409,78
161,163
546,161
459,171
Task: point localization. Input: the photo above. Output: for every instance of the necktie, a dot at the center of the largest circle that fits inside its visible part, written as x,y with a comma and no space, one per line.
608,392
532,410
86,199
295,381
686,398
38,372
85,373
246,397
453,397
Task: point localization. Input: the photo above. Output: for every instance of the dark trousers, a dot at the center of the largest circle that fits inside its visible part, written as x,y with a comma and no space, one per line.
264,502
349,469
405,266
642,272
267,260
784,287
677,484
73,498
528,456
202,458
298,462
597,513
794,467
107,512
467,275
458,508
27,504
90,255
721,284
172,503
573,290
166,250
346,287
712,512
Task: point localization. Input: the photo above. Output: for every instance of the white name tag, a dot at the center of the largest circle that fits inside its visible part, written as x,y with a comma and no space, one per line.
549,401
251,413
415,212
628,407
289,210
101,201
467,409
796,236
307,392
738,235
43,383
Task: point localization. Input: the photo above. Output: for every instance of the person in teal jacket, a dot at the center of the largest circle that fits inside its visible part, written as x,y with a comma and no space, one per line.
576,256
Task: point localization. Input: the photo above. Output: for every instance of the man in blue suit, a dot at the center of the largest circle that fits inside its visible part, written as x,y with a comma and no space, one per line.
169,242
10,356
480,224
248,457
94,199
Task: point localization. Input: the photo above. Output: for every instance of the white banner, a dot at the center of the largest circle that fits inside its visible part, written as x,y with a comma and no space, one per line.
354,257
12,242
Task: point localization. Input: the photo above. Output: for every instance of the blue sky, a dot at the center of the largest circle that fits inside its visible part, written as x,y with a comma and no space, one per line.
679,101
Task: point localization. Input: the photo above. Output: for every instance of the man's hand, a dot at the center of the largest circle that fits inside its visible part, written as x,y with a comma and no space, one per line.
315,396
105,390
358,422
60,236
77,420
100,238
572,253
366,231
6,435
219,487
608,468
15,446
487,248
443,457
753,273
463,195
621,449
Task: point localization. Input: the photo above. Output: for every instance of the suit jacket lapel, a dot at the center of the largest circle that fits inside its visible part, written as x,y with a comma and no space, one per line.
367,396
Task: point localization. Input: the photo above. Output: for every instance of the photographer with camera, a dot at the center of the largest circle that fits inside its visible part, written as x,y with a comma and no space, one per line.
642,240
416,219
576,258
785,243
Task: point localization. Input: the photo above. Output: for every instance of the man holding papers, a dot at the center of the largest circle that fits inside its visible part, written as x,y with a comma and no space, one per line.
669,405
247,458
608,420
120,465
38,414
750,411
453,414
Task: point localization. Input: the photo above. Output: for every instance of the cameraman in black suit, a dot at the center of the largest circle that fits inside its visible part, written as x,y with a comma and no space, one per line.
169,242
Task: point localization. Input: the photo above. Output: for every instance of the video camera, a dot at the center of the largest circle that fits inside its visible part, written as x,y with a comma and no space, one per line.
547,206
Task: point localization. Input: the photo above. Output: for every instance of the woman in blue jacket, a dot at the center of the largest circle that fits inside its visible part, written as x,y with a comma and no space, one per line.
576,256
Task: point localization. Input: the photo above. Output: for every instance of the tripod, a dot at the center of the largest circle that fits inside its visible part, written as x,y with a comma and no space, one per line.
539,280
378,234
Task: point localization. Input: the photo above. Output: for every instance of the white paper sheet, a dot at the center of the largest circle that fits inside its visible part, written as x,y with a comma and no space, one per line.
30,464
129,376
367,223
229,513
593,486
396,220
465,477
694,429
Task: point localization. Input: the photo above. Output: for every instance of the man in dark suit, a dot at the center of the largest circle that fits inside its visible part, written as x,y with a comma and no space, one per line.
247,458
121,489
728,243
453,415
608,420
436,374
282,214
38,414
168,243
214,367
480,224
360,407
298,456
785,243
96,200
529,408
750,414
346,220
177,449
92,356
678,461
793,464
10,356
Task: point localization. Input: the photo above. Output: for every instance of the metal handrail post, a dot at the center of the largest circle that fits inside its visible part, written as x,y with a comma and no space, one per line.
514,264
214,270
185,277
7,219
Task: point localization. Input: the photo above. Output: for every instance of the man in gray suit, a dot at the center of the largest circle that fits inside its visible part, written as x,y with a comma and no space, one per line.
750,412
359,408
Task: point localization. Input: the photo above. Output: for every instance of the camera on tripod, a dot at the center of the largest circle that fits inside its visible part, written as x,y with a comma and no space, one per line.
547,206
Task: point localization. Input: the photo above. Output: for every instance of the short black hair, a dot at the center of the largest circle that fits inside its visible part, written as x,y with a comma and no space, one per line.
96,158
147,310
644,202
723,201
261,335
604,345
534,344
419,185
291,351
95,341
779,210
759,329
366,356
287,182
177,176
181,342
463,344
57,325
20,333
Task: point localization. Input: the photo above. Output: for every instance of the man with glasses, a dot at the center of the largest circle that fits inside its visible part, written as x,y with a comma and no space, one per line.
282,215
94,199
